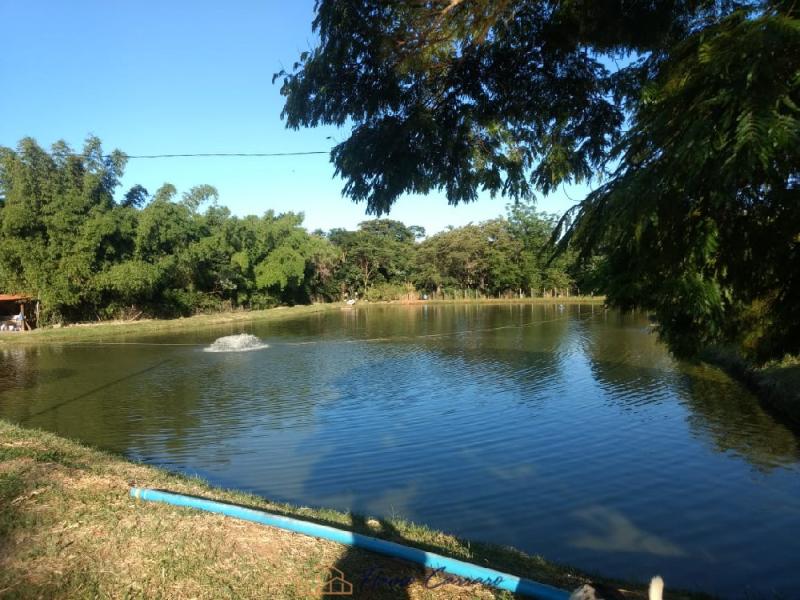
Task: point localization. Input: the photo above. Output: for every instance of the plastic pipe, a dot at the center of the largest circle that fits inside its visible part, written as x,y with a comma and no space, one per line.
458,568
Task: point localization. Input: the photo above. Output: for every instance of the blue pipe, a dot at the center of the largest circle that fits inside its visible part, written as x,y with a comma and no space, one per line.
459,568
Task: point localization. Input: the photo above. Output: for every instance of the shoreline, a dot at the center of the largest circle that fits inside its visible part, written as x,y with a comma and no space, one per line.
86,331
775,385
82,331
69,527
536,300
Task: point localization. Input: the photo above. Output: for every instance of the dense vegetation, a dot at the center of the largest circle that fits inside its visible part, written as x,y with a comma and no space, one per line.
687,112
86,253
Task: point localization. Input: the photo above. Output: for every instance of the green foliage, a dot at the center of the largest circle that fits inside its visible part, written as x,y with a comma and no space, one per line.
379,251
494,258
505,96
281,266
65,241
130,281
698,217
59,222
382,292
701,221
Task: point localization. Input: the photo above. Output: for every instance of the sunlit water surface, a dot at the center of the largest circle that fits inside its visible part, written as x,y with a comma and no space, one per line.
564,431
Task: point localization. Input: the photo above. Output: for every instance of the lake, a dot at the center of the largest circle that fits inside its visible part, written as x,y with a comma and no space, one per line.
566,431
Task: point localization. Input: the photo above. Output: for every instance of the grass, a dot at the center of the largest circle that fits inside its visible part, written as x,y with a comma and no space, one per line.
69,529
780,381
776,384
105,329
534,300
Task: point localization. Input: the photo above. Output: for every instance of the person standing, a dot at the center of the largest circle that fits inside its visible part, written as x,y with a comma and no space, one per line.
19,320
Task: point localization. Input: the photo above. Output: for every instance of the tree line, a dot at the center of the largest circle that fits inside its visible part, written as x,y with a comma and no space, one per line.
87,253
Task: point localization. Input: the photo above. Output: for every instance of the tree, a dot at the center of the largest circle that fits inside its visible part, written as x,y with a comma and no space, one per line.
379,249
199,195
59,224
504,96
136,197
698,213
320,277
539,271
700,220
500,256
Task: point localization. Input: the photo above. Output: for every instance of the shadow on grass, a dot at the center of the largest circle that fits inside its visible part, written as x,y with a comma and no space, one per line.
380,577
373,575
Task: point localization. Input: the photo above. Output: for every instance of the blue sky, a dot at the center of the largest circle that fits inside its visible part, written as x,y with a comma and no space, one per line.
182,77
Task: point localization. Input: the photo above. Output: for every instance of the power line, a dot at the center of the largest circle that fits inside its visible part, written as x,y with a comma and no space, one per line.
226,154
195,154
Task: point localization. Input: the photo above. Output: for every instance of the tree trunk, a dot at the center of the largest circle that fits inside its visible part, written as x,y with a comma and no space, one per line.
366,279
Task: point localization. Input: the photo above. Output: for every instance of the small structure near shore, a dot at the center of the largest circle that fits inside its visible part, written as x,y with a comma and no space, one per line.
18,312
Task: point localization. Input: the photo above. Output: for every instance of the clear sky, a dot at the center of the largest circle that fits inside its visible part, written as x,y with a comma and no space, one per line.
181,77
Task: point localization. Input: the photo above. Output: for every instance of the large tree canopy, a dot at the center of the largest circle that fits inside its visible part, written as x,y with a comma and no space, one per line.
505,96
701,220
686,111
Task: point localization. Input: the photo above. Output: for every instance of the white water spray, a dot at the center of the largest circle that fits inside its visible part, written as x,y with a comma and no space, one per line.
243,342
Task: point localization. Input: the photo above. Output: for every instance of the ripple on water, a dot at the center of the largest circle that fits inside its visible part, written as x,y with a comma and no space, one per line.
582,440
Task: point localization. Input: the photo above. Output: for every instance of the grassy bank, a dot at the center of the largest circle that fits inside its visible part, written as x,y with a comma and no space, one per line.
68,529
536,300
105,329
776,384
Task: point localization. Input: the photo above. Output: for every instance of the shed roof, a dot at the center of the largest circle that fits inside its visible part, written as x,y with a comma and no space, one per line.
12,297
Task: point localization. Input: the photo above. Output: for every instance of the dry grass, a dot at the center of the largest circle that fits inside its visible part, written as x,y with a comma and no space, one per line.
69,529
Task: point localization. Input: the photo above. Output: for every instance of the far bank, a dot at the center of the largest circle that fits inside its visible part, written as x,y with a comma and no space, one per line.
103,329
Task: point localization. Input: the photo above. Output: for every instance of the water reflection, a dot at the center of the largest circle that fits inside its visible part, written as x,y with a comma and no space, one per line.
608,530
570,433
720,411
730,418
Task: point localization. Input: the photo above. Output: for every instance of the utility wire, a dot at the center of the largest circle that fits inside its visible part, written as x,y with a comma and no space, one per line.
197,154
226,154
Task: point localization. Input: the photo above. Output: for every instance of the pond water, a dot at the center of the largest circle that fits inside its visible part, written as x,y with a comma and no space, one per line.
566,431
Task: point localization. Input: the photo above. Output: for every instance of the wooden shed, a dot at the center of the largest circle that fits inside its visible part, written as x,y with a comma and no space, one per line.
13,305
